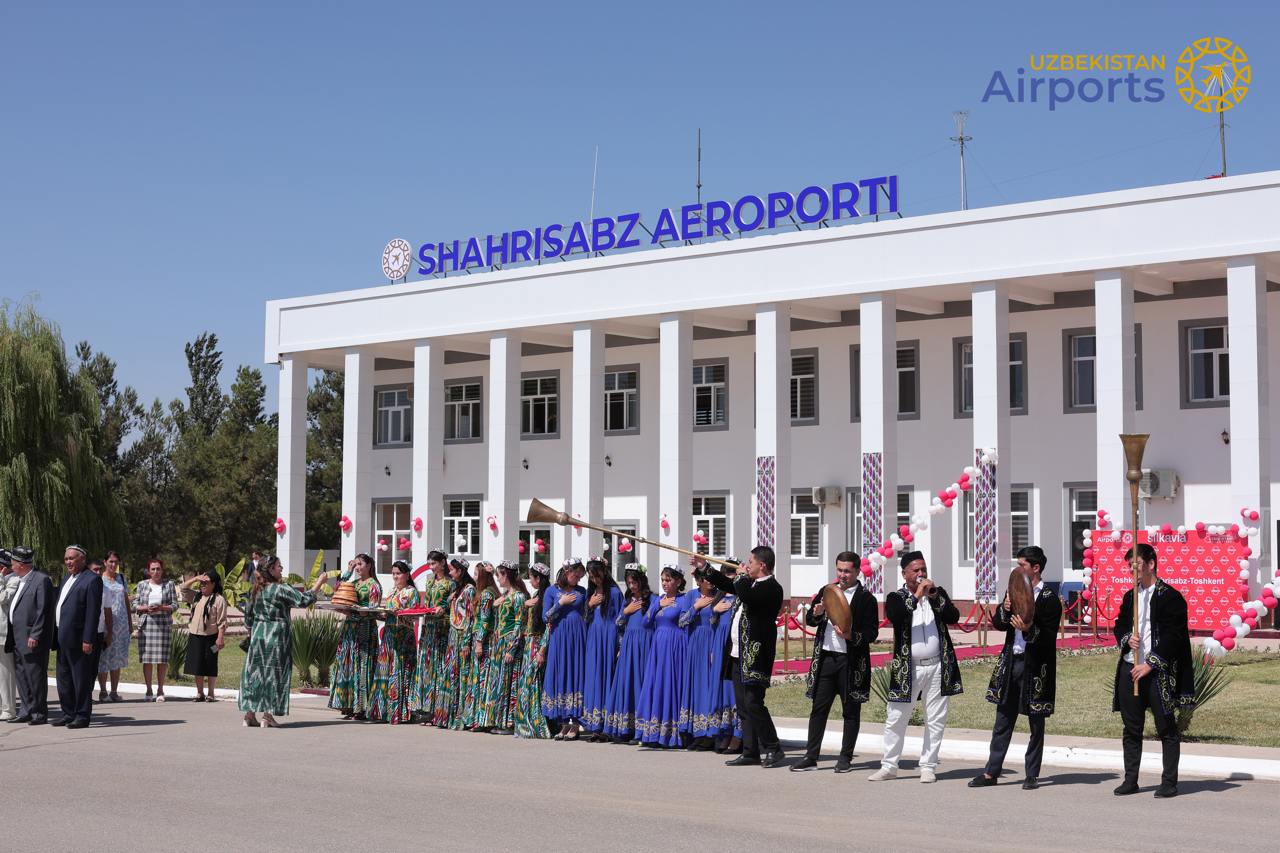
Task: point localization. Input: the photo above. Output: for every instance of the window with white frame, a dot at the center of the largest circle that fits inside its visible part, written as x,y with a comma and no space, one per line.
462,525
622,400
711,518
909,378
711,394
617,558
1207,364
540,405
394,416
1017,375
535,547
855,542
462,402
1020,516
806,528
804,387
1081,354
391,525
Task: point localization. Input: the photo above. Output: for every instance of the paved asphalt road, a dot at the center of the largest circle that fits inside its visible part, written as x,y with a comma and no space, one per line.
202,782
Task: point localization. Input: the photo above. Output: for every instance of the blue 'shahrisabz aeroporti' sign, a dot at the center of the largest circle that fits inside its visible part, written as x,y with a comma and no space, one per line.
690,222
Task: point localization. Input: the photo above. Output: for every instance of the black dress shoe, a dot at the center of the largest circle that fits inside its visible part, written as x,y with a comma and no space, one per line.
777,758
37,721
805,763
61,721
25,718
1030,783
741,761
1165,791
1126,787
844,765
78,724
982,780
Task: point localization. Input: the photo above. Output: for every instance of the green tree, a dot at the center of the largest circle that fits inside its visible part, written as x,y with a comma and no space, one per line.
324,459
205,401
119,410
54,488
148,489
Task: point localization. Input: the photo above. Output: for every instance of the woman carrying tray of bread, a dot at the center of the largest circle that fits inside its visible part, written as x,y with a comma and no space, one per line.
393,685
356,660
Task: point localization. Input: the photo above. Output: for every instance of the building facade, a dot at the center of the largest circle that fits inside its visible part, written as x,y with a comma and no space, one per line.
812,390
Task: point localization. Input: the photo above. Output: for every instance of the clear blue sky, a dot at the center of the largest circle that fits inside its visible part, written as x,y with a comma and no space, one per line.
168,167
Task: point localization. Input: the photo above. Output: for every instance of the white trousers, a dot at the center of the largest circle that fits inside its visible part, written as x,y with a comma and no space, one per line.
926,684
8,685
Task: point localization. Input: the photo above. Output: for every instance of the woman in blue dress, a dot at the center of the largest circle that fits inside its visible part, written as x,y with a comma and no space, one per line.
658,711
701,690
604,604
729,736
633,651
566,644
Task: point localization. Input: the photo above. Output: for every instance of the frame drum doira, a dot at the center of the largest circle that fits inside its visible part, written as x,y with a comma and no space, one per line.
838,612
1022,600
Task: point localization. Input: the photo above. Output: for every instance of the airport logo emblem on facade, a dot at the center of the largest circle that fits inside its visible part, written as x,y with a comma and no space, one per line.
1213,74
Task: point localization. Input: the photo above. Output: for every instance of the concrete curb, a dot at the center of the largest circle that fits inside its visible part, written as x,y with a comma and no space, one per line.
1219,767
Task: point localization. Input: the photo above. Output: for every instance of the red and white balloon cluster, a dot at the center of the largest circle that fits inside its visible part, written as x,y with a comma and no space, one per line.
1243,621
944,500
1104,532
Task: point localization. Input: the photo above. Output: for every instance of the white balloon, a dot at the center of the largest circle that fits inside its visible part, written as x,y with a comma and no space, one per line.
1182,530
1244,574
1235,620
1242,630
937,501
970,470
1088,572
1088,619
923,525
1244,567
955,487
913,527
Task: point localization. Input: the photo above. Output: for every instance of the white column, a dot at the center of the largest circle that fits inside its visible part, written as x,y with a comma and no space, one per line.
878,380
1250,437
428,449
773,436
357,446
587,487
1114,383
503,498
993,533
675,440
291,488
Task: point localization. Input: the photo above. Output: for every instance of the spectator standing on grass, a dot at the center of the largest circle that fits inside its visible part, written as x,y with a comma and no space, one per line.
155,601
268,662
8,673
206,635
115,652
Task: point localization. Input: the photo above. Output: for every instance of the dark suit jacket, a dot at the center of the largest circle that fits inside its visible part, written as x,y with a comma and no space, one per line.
758,629
866,628
1040,666
899,608
79,620
1170,655
33,615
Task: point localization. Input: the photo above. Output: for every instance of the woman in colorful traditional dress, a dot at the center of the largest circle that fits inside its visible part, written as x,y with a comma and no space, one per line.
355,663
268,664
499,678
633,651
433,638
604,605
566,646
658,711
457,655
392,698
481,639
701,689
729,738
529,721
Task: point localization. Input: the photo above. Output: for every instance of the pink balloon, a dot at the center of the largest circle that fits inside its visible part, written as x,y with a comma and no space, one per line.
1088,562
908,537
1270,602
1246,551
1219,635
903,530
1166,529
965,485
1086,595
1253,515
866,571
1228,644
1088,552
1235,529
948,503
1201,527
942,493
1102,513
1229,631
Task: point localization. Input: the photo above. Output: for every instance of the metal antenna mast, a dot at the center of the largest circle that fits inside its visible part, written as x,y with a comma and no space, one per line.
595,169
961,116
698,185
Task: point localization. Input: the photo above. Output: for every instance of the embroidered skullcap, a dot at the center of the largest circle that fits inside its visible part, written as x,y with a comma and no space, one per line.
540,569
82,551
570,563
460,563
674,569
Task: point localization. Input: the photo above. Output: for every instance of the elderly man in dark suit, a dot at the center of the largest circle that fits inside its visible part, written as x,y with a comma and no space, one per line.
31,636
78,642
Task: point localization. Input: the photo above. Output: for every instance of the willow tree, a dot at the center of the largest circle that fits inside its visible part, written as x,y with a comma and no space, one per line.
54,488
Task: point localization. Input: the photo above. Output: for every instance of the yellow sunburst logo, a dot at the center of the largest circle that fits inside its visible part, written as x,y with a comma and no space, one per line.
1213,74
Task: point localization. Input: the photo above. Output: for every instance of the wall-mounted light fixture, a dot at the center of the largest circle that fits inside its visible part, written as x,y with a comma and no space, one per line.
387,469
1226,437
524,463
608,461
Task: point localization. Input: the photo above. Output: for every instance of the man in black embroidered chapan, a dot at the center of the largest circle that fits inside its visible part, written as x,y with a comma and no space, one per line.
1024,680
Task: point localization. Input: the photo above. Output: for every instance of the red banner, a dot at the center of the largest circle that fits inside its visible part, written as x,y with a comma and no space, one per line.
1205,568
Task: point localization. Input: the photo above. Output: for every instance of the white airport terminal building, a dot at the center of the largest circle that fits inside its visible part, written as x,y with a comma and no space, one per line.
811,390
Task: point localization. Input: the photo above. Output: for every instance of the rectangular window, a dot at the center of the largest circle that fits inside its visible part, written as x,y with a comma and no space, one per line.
535,547
462,525
1081,355
908,363
618,558
711,519
540,405
806,521
1017,375
1206,364
804,387
855,542
622,400
462,402
1020,517
391,524
394,416
711,395
1082,515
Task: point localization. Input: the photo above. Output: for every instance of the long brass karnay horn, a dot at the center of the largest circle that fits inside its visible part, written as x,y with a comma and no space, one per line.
540,513
1134,445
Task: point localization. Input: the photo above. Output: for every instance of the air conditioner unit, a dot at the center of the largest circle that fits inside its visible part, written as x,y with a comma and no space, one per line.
828,495
1160,483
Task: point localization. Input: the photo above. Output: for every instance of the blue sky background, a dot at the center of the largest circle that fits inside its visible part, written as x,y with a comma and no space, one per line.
168,167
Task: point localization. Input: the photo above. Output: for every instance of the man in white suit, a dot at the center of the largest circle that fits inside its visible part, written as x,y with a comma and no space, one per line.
8,682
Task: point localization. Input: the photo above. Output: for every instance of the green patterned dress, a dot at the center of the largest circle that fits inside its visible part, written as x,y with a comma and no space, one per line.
433,641
397,656
456,657
268,665
529,721
473,678
356,661
498,681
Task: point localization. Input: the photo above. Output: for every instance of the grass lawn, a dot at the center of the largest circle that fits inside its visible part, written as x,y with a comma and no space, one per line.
1246,712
